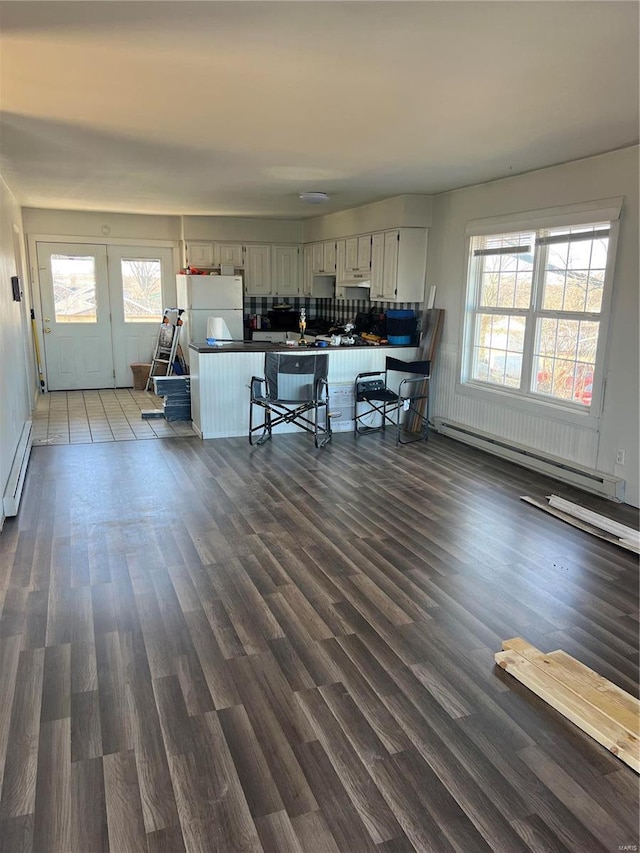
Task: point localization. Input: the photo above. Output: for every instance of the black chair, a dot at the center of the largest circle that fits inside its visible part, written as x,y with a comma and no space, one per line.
406,409
294,390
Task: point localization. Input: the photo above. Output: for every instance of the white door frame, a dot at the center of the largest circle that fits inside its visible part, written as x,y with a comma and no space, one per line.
34,276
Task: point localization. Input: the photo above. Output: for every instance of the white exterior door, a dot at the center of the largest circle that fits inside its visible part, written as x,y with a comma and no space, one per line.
101,311
76,324
138,278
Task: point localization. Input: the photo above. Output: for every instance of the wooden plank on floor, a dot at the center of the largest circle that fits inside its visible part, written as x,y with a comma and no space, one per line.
610,735
602,694
582,525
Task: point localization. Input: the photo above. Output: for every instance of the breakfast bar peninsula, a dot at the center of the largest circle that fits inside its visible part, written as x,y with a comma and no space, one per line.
221,376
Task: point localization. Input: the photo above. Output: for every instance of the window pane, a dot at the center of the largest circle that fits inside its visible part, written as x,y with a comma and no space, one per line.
594,290
574,274
497,355
505,277
564,359
74,288
141,290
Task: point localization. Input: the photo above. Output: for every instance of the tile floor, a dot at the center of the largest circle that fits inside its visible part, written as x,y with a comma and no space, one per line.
87,417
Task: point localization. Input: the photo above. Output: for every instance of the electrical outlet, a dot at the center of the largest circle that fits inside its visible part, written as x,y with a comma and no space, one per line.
620,457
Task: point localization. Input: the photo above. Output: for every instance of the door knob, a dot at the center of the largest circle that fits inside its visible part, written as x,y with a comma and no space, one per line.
47,320
47,331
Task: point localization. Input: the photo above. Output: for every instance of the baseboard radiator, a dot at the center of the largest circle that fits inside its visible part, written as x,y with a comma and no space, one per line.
588,479
15,483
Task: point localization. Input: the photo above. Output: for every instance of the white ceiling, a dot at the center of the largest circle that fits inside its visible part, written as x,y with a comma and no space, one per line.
233,108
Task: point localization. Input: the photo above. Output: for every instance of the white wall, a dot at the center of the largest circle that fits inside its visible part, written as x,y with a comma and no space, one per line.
604,176
242,230
73,223
17,377
409,211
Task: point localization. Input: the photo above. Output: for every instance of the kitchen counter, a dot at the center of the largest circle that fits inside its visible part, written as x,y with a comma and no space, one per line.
220,379
267,346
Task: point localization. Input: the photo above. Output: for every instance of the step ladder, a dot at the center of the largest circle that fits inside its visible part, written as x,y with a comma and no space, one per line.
166,347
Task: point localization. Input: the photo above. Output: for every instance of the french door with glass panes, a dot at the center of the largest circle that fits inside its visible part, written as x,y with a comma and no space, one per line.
101,311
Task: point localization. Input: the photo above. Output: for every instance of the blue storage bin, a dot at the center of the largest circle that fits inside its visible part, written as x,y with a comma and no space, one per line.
400,314
401,326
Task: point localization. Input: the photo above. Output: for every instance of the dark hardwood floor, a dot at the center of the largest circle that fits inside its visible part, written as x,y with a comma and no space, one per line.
209,647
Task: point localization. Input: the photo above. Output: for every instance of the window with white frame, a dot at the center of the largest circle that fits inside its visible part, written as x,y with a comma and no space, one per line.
535,311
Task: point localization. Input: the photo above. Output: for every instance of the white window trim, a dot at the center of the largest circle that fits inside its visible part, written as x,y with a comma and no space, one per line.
605,210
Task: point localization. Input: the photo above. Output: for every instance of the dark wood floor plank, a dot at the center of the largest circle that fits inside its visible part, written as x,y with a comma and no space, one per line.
359,786
16,834
88,807
9,658
155,788
214,667
122,797
298,655
587,810
292,785
314,834
114,711
56,685
86,731
367,697
277,834
251,766
21,763
52,821
342,816
223,810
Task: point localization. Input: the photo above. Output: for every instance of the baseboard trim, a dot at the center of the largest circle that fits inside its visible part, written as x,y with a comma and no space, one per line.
15,483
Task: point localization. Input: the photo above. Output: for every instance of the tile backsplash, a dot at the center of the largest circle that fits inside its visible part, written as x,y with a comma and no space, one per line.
332,310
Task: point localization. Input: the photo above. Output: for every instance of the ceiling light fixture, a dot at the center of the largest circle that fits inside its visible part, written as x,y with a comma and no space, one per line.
314,197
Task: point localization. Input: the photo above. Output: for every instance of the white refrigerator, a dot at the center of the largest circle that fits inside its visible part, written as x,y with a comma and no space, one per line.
204,296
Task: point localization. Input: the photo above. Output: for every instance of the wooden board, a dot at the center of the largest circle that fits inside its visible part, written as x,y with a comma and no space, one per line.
547,678
606,697
432,323
581,525
627,534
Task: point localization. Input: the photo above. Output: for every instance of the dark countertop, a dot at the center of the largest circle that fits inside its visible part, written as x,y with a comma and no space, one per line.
266,346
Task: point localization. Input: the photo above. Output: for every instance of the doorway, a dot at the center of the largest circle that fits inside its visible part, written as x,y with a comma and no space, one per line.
101,310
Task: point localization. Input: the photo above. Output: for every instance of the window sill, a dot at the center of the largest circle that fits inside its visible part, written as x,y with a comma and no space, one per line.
529,404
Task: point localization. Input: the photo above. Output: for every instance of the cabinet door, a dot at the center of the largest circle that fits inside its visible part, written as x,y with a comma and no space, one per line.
230,253
329,257
390,274
200,254
286,270
364,253
257,274
317,255
351,254
307,275
377,267
341,254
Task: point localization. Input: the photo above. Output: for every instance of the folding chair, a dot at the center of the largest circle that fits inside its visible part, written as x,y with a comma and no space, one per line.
294,390
406,409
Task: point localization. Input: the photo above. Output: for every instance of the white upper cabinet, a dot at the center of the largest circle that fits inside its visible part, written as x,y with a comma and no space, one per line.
377,266
307,272
329,254
317,257
358,254
285,269
212,254
257,271
200,254
398,265
229,253
324,257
